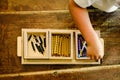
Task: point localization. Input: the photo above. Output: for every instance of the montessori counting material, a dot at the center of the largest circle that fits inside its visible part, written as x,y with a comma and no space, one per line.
52,46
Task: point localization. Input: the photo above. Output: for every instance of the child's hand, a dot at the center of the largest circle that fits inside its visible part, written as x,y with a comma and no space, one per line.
95,50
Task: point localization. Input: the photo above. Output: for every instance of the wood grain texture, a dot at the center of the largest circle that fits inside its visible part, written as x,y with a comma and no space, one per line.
93,73
11,25
30,5
56,17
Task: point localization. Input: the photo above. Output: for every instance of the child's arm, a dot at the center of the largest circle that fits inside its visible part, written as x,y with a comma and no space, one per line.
81,18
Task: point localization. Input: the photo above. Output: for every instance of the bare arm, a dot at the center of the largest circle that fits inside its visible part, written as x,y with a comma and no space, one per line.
81,18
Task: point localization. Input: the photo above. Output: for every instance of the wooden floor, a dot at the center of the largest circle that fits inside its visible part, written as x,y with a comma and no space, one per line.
110,72
10,29
16,15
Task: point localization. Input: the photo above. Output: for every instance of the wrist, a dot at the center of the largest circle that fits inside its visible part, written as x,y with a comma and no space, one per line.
92,38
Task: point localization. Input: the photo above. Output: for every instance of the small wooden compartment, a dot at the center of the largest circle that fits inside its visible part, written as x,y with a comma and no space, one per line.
61,44
81,45
35,43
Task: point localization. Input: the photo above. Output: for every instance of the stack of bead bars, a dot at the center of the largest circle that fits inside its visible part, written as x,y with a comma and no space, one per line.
61,45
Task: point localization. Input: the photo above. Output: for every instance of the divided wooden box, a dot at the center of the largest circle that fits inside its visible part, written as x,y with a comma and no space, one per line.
53,46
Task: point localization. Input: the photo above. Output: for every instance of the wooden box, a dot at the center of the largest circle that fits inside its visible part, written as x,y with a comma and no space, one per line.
61,44
59,47
81,45
35,43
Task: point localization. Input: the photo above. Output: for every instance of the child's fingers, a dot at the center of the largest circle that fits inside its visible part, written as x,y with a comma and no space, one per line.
96,57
